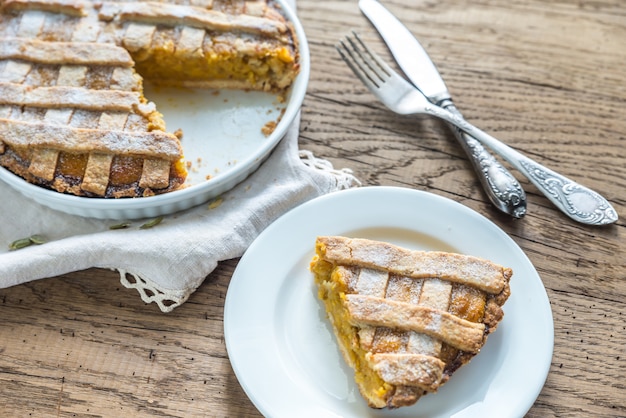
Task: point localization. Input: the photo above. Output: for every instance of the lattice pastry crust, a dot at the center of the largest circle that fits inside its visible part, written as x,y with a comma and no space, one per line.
406,320
72,112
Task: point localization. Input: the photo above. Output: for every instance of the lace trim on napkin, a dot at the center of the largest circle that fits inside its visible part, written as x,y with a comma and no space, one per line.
150,291
345,177
168,300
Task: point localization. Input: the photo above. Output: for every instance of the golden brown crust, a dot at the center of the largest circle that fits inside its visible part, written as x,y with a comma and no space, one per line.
96,176
72,113
406,320
407,369
68,97
80,140
416,264
68,53
69,7
190,16
375,311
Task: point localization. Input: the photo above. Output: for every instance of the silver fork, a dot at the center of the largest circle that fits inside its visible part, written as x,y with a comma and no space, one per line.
576,201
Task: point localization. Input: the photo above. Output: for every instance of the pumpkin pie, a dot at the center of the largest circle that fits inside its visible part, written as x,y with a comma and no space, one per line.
406,320
73,117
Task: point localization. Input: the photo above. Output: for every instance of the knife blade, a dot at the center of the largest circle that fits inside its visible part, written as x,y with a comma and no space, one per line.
407,51
499,184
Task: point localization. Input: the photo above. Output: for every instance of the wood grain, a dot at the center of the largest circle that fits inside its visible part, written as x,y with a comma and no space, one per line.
548,78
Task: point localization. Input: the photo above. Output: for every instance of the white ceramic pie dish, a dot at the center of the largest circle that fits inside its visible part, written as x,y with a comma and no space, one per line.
222,140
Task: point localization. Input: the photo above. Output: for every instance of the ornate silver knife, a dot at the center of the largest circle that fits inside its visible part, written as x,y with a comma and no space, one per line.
501,187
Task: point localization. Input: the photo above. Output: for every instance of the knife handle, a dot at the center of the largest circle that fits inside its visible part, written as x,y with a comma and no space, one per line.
501,187
575,200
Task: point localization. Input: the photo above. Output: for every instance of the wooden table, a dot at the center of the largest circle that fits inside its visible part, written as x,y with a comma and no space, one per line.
549,78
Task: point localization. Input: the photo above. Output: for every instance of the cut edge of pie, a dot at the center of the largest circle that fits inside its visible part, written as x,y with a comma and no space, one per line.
406,320
73,117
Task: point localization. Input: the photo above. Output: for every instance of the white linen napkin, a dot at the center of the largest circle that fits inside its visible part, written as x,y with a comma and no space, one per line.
167,262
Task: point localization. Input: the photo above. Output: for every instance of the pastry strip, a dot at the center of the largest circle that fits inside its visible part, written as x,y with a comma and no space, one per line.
125,79
44,160
5,111
205,4
62,97
181,15
31,24
372,283
72,75
68,7
255,8
459,333
15,71
96,176
435,294
154,144
66,53
138,36
190,43
408,369
458,268
85,31
43,163
155,174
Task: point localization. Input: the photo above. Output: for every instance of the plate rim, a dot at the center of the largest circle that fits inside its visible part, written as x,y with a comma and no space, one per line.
372,192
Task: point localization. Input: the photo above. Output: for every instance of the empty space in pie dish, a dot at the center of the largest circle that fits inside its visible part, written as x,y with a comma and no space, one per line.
221,129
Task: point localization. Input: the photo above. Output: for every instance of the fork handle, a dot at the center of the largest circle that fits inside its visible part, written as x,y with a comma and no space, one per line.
576,201
500,186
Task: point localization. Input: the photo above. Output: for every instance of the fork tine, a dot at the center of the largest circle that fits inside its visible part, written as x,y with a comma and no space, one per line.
350,58
386,84
358,57
374,62
361,60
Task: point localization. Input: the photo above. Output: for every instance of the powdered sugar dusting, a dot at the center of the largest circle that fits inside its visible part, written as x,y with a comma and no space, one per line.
436,294
372,282
420,343
378,255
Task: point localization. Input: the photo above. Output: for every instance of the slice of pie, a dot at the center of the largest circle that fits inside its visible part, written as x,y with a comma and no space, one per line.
406,320
73,117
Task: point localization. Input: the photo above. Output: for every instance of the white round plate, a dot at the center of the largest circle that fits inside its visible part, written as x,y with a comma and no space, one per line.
222,139
281,345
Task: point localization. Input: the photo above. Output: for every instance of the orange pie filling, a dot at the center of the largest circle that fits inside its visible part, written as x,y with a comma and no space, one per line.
225,61
405,320
332,291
